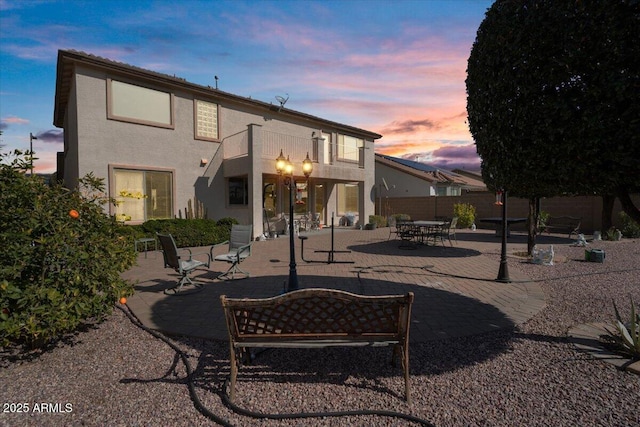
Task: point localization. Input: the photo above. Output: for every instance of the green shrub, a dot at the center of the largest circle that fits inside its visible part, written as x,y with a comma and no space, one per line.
227,222
466,214
189,232
543,220
378,220
629,228
393,219
60,256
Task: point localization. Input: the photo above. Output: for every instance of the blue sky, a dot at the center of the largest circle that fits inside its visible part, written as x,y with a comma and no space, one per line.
392,67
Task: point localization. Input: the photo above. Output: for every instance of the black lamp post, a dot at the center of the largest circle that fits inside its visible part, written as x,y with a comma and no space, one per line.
31,138
285,167
503,273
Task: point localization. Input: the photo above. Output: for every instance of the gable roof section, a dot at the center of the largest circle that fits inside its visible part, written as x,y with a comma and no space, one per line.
67,59
429,173
473,178
420,170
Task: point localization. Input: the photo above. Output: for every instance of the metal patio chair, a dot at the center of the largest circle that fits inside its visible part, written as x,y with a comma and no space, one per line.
239,250
184,267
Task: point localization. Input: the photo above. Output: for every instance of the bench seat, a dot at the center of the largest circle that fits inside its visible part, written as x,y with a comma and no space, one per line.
563,224
317,318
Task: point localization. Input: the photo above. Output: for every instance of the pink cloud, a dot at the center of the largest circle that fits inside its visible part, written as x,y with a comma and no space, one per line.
15,120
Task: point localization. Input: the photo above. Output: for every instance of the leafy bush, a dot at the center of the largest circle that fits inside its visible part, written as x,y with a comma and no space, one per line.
378,220
466,214
543,220
393,219
627,339
629,228
189,232
60,256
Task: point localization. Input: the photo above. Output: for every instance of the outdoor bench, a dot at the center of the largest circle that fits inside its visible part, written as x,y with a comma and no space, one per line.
563,224
317,318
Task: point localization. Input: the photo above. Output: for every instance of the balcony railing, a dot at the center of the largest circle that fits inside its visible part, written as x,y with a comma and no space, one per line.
294,146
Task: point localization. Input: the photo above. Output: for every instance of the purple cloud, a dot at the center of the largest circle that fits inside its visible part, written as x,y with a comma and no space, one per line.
408,126
53,136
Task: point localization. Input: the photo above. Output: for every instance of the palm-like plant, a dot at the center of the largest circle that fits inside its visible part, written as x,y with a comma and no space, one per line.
626,337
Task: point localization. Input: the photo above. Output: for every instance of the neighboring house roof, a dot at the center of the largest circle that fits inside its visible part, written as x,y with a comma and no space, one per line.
429,173
473,178
68,58
420,170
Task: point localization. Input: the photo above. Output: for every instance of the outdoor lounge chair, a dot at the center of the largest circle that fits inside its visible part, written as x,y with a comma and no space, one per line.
239,249
183,267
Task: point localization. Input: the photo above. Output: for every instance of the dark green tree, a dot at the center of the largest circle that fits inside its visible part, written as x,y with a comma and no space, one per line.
553,98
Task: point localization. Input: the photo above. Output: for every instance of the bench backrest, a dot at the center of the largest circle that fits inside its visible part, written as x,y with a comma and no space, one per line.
316,314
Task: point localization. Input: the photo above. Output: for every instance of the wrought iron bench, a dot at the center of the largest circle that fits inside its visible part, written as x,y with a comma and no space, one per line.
564,224
316,318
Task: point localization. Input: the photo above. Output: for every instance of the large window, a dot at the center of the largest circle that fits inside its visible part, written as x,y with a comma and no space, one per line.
347,198
349,148
206,120
143,195
132,103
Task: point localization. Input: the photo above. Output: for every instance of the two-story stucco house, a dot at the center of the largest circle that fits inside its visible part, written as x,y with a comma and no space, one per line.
162,142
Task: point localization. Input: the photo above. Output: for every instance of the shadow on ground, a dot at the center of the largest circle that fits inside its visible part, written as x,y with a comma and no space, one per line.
516,237
340,366
396,247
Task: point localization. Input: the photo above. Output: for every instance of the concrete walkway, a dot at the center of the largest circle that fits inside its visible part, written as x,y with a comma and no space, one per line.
455,289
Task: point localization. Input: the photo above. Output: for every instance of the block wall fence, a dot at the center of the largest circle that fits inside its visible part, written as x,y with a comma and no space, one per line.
589,208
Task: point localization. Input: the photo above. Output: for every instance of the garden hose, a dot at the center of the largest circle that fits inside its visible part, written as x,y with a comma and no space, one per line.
226,400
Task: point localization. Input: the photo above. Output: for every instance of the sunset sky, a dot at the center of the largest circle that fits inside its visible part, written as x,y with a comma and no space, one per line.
393,67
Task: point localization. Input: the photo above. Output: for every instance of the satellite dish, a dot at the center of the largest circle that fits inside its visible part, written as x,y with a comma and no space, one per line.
384,182
282,101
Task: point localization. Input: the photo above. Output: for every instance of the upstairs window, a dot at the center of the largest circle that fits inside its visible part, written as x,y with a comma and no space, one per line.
206,120
131,103
349,148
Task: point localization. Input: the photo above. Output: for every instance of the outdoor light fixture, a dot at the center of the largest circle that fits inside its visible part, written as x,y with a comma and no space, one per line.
31,138
503,273
284,167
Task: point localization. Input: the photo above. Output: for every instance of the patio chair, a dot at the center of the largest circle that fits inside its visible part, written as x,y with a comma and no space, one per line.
446,231
172,259
239,249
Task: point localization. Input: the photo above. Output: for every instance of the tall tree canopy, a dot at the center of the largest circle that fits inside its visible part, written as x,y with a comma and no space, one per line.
554,98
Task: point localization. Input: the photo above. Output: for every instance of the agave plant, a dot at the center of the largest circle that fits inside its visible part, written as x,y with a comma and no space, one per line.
627,338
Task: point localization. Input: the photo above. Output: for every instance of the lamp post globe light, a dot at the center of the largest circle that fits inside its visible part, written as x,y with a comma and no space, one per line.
284,167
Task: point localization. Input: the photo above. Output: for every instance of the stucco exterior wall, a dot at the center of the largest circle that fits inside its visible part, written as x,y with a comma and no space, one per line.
98,144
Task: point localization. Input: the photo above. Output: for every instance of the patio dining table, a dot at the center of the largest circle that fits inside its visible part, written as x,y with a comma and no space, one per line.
415,232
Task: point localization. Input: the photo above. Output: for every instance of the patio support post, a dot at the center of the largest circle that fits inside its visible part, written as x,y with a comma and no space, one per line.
503,273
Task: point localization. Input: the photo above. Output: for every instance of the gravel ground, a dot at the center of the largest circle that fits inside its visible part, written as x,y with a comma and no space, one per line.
117,374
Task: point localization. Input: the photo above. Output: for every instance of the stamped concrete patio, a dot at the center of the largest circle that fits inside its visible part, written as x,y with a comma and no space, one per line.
455,289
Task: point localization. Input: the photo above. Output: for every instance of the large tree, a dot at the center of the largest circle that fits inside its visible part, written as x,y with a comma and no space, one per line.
554,99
